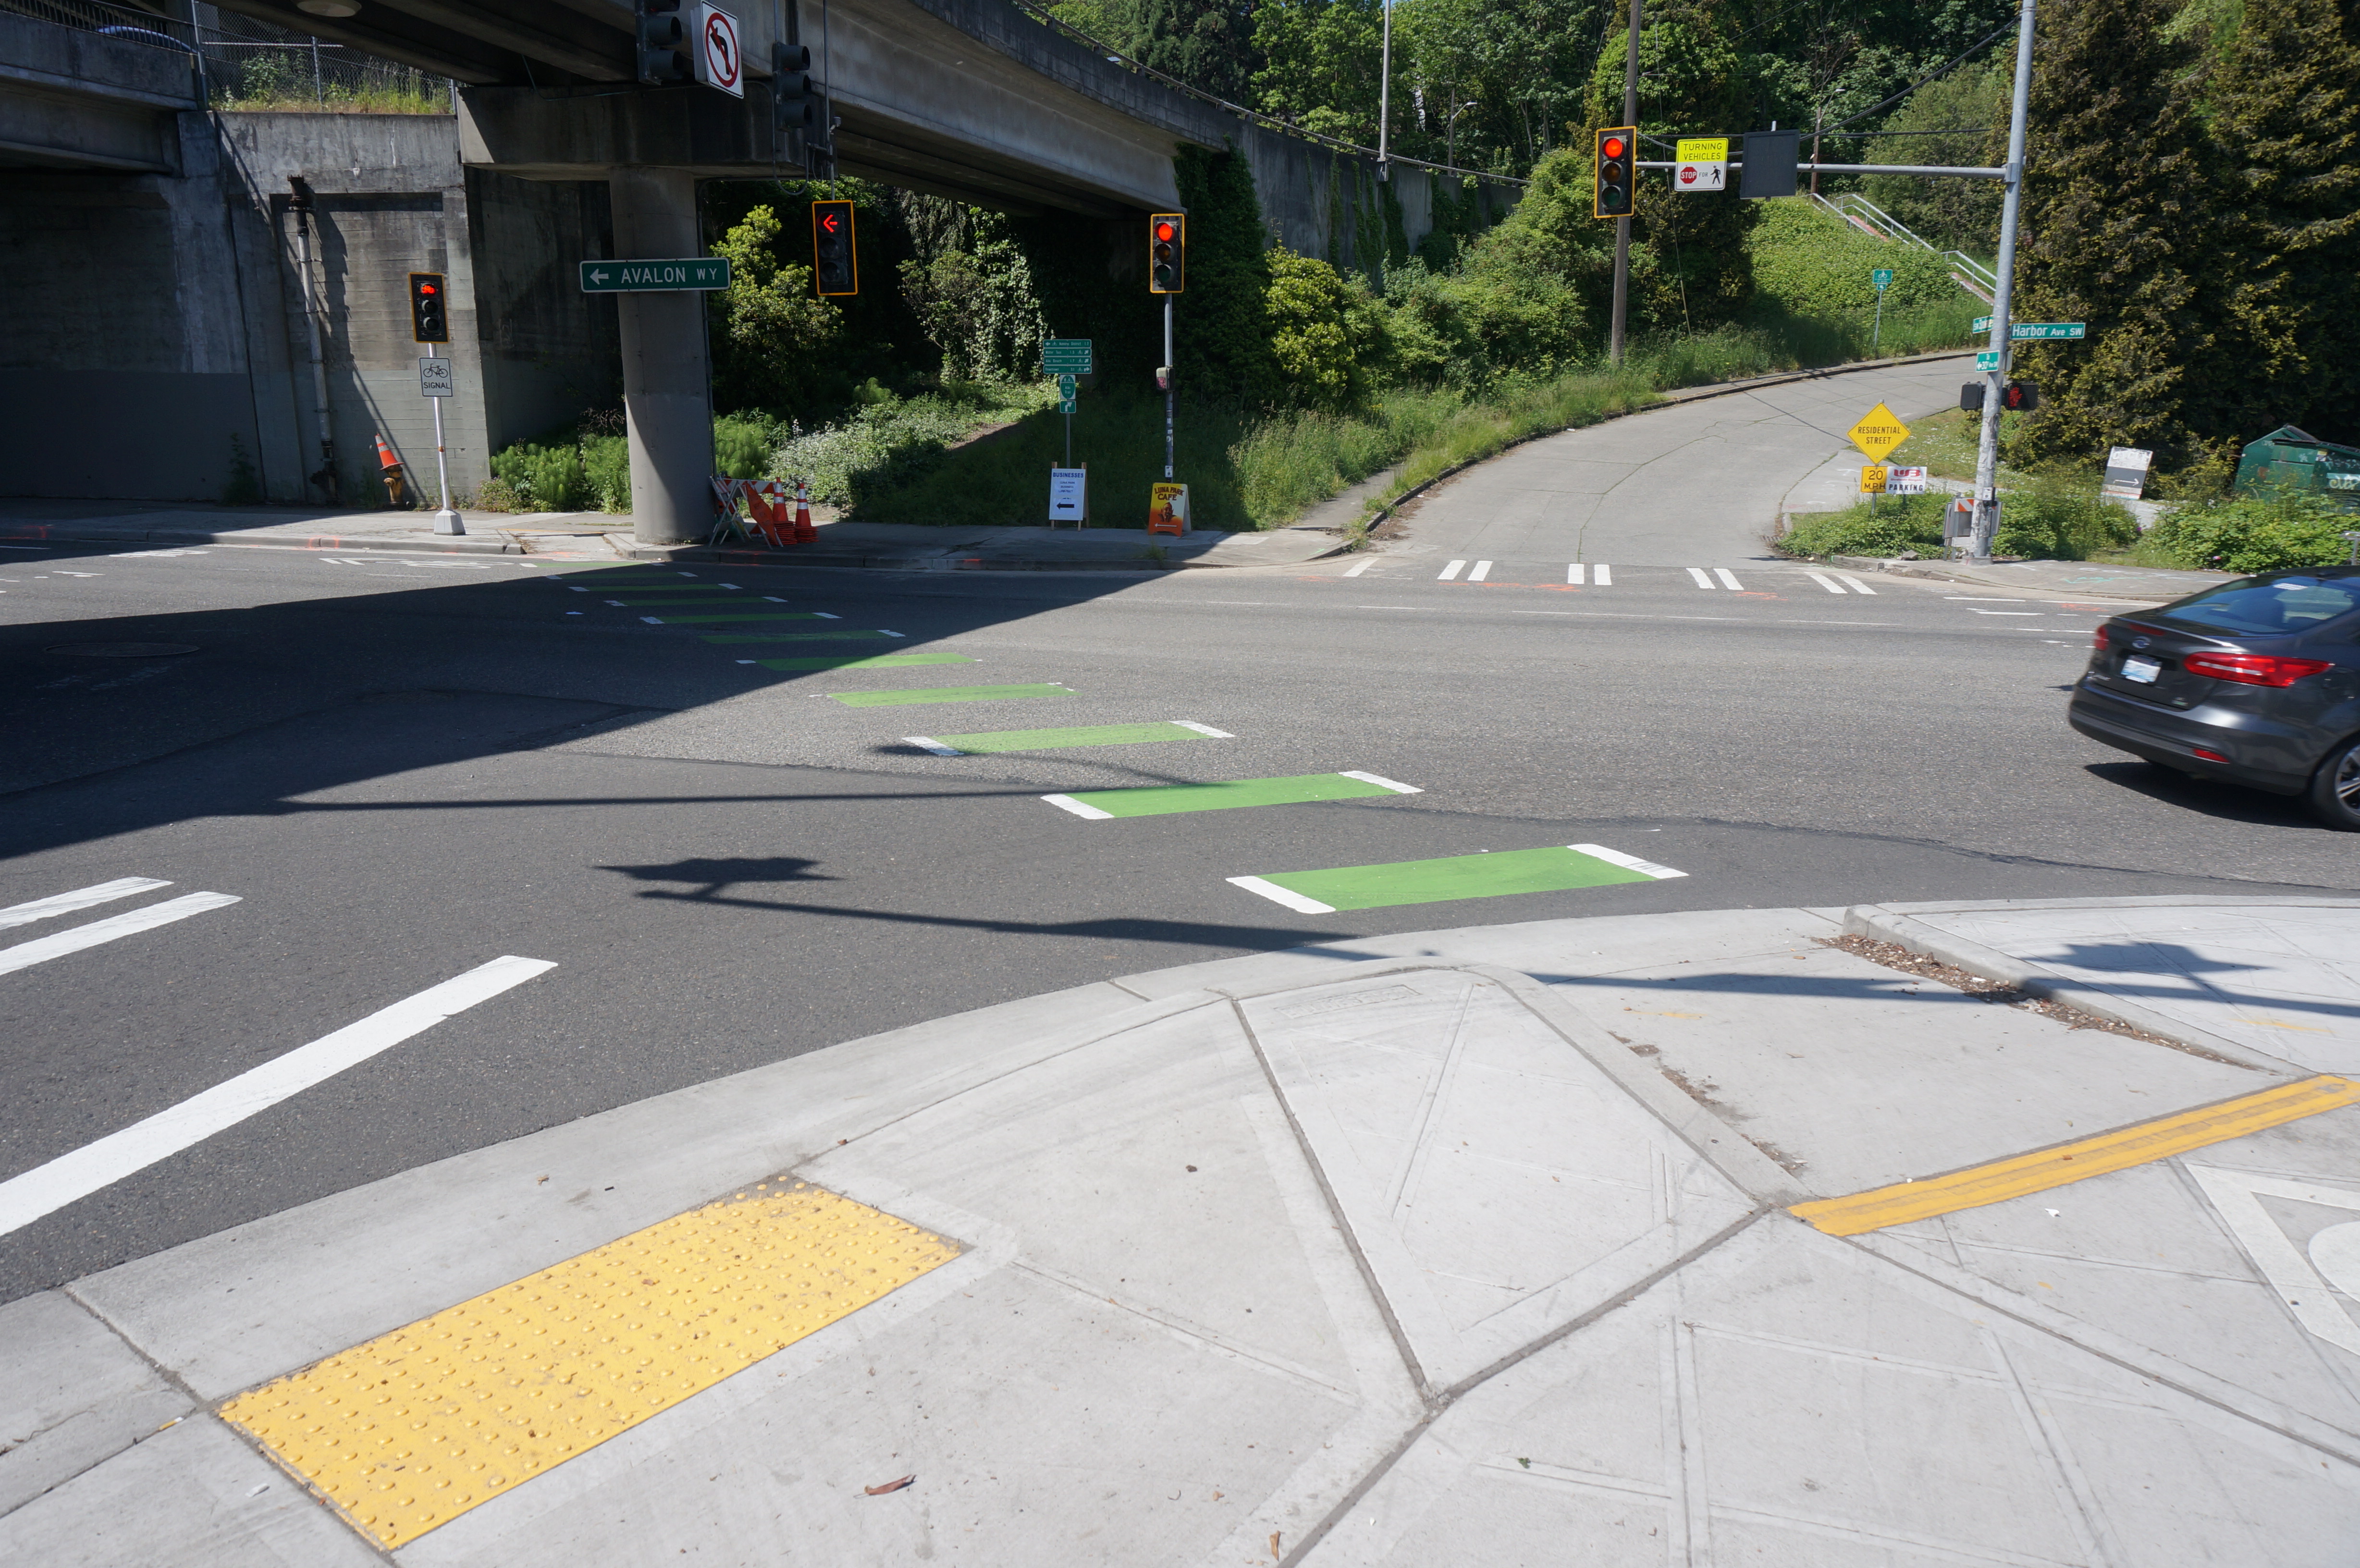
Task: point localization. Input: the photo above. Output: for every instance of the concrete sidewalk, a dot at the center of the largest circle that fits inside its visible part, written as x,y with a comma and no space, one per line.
905,547
1624,1240
2065,579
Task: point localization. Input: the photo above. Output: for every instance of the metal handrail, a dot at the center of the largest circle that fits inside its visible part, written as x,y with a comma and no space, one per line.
1866,215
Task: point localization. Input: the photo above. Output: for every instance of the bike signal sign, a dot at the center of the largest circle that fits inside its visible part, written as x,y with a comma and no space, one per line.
719,61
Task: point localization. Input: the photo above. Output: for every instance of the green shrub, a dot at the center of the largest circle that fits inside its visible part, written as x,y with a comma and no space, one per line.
2270,532
1808,262
2060,517
1898,525
742,445
606,464
886,444
1319,361
544,478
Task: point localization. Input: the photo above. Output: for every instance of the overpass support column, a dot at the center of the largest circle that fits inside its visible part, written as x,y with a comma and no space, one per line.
667,397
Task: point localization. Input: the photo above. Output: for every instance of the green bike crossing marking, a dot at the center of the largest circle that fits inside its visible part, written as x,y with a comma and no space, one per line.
947,695
1051,740
853,661
1556,869
1162,799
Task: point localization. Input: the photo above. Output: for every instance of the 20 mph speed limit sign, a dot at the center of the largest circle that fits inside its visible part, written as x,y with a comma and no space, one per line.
719,61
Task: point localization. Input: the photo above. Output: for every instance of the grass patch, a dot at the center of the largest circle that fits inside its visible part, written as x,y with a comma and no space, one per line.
2053,515
1944,446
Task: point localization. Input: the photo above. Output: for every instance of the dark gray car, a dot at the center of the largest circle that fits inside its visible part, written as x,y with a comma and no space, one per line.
2257,681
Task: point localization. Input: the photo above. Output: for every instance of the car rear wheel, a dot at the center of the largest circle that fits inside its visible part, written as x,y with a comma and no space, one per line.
2335,788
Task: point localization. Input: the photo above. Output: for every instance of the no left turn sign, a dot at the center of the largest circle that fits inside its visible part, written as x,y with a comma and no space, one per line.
719,61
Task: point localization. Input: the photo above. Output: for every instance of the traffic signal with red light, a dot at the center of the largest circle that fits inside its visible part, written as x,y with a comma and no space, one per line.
1618,158
2019,396
1167,253
836,265
430,321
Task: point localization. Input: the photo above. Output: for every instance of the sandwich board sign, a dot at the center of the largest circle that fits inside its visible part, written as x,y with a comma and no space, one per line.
1069,496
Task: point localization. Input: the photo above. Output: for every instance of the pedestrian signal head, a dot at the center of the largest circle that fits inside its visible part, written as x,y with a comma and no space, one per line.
1618,159
1167,253
2019,396
836,264
429,316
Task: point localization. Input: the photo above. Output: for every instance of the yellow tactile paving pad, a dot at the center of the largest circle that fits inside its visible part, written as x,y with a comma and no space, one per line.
411,1429
2118,1150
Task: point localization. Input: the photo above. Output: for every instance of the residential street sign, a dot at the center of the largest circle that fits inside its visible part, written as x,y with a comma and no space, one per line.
1065,356
1878,433
699,272
2023,330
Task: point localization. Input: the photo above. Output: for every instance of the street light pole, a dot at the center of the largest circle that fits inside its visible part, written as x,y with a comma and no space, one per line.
2003,298
1386,93
1623,224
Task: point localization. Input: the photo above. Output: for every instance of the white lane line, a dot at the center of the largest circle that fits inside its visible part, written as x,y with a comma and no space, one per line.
1857,586
882,632
80,898
1278,895
618,604
46,1188
651,620
1068,803
824,615
1971,599
1631,862
24,954
1204,729
1381,782
928,743
1573,574
1603,576
1451,571
1702,580
1727,580
1829,584
769,598
1355,571
1482,570
2003,612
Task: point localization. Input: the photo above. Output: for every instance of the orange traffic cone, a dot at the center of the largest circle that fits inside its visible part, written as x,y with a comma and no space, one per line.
804,532
391,467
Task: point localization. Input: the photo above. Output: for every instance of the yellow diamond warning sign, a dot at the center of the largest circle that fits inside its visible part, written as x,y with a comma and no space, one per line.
1878,433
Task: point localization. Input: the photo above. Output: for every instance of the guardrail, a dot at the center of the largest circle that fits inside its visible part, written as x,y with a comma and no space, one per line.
1869,218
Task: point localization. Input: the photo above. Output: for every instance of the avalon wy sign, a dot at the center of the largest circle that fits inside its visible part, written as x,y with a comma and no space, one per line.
698,272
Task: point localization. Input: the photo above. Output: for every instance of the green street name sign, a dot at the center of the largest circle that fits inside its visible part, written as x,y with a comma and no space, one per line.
699,272
2020,330
1069,356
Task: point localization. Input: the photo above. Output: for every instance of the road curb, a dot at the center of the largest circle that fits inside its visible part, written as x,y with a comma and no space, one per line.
945,562
1882,924
1936,571
62,534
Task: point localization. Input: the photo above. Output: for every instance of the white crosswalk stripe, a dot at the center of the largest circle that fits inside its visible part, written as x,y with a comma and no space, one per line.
1702,580
24,954
1829,584
1482,570
1451,571
1728,579
80,898
1857,586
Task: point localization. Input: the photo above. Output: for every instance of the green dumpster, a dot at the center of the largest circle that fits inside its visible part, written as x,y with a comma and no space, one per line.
2290,459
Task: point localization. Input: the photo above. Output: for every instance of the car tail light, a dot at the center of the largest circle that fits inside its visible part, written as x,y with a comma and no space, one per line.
2098,639
2208,756
2253,669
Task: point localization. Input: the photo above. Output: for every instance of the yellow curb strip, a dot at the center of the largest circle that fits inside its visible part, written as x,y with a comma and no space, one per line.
2117,1150
415,1428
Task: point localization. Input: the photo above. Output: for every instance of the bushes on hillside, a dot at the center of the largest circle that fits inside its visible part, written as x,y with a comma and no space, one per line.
2057,516
2269,532
1812,262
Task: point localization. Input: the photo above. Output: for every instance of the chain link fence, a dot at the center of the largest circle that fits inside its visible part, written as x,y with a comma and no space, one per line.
246,64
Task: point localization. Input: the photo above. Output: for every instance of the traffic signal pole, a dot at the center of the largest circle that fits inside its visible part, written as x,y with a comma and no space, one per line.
2002,329
1623,224
1171,375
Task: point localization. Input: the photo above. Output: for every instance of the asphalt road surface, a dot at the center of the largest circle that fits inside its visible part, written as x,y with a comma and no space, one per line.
401,768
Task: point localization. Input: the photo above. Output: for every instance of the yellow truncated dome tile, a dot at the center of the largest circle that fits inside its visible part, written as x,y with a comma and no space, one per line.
412,1428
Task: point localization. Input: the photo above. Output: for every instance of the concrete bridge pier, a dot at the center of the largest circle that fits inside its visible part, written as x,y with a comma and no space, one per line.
666,396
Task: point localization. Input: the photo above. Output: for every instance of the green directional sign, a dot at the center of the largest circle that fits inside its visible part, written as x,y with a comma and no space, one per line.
1982,324
694,272
1883,278
1066,387
2023,330
1065,356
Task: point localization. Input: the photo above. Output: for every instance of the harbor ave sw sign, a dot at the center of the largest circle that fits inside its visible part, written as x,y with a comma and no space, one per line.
642,276
1878,433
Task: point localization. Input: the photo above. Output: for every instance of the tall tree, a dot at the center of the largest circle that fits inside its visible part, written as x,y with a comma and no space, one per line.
1320,64
2286,104
1209,44
2119,230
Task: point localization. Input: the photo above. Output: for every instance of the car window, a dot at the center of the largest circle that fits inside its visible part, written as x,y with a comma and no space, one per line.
2282,608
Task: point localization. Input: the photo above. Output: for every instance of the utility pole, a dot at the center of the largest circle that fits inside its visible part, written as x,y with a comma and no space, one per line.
1987,448
1623,224
1170,373
1384,96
